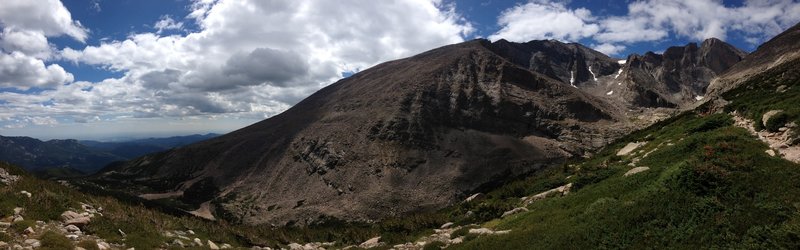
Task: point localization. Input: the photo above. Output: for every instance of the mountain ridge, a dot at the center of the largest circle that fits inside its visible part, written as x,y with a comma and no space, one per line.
411,134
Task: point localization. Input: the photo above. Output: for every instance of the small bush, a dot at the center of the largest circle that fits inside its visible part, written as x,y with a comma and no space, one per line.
436,245
712,122
88,245
776,121
20,226
5,237
55,241
460,232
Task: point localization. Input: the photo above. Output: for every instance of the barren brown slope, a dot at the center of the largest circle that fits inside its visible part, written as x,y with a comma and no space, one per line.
412,134
781,48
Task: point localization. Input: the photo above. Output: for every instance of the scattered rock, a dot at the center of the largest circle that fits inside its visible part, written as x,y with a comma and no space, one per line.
122,233
103,245
374,242
458,240
198,242
26,193
563,190
28,231
514,211
295,246
17,218
7,178
72,228
73,218
33,243
177,242
18,210
190,232
636,170
5,224
79,248
3,244
168,234
73,237
770,152
212,245
630,147
475,197
486,231
226,246
446,225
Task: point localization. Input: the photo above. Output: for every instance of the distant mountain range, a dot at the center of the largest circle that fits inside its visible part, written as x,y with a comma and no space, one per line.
72,157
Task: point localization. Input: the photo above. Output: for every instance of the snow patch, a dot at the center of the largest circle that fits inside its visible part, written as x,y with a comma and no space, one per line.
593,76
572,79
610,92
622,61
699,97
618,73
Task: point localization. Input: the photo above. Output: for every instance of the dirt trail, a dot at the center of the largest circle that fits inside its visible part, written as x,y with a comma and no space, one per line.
777,141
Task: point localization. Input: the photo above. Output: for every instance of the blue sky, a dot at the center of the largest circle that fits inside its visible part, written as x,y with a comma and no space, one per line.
101,69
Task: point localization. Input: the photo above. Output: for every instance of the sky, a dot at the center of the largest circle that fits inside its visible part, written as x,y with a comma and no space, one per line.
105,69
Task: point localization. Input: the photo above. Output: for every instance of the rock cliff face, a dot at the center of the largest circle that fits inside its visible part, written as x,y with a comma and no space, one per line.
412,134
570,63
678,77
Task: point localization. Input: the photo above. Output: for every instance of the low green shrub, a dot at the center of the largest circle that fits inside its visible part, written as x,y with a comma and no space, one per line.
776,121
20,226
5,237
436,245
88,245
54,241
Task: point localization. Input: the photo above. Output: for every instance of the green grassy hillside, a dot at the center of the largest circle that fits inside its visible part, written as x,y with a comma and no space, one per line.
709,184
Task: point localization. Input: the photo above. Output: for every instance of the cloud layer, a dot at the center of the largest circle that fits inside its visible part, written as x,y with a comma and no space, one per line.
648,20
249,59
246,60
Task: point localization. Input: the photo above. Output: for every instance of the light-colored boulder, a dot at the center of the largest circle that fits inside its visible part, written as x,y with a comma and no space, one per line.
475,197
630,147
770,152
33,243
73,218
73,237
26,193
446,225
562,190
28,231
636,170
102,245
514,211
72,228
225,246
198,242
212,245
374,242
18,210
177,242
